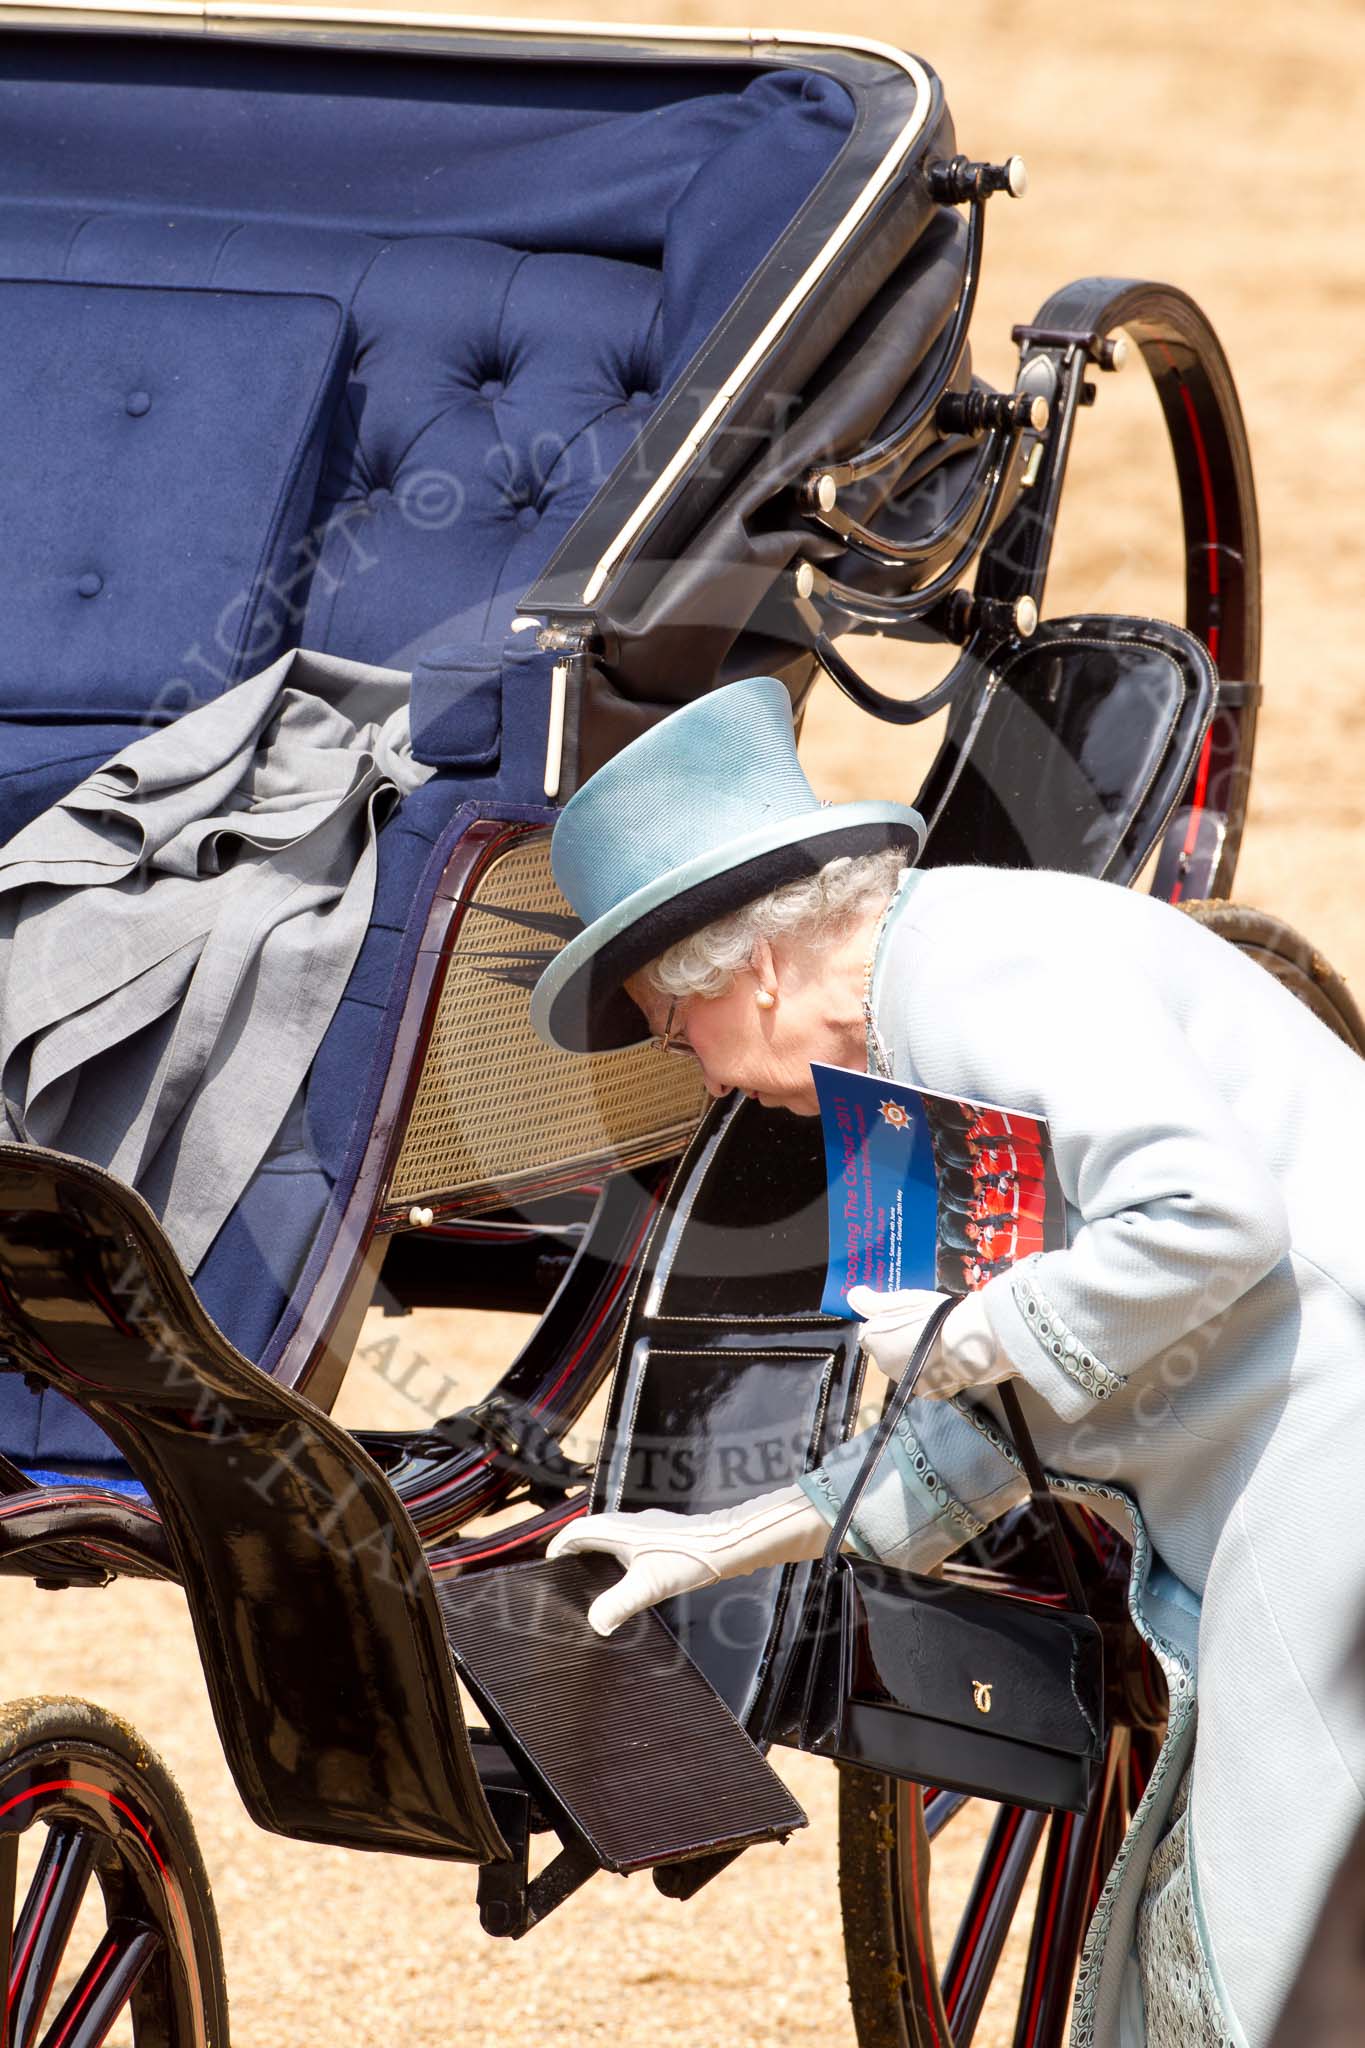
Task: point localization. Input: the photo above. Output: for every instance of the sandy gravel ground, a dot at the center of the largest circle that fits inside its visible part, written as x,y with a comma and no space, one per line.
1212,144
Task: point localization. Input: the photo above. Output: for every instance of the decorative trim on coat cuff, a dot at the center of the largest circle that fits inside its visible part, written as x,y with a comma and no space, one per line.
820,1490
1057,1376
911,1451
884,1525
1056,1339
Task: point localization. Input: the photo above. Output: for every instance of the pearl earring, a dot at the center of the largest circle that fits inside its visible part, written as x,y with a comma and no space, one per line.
765,998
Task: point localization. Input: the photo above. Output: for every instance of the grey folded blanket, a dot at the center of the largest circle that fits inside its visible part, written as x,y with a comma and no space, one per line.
176,933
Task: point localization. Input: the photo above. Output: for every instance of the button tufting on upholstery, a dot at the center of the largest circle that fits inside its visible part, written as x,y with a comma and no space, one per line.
137,402
90,584
380,495
528,515
491,387
642,398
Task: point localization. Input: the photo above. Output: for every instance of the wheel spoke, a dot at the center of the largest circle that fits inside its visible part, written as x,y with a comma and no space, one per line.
988,1917
926,2021
1049,1916
53,1901
1060,1915
9,1879
104,1986
939,1809
1116,1815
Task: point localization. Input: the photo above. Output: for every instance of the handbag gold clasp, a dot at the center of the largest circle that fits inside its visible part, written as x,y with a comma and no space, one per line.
981,1694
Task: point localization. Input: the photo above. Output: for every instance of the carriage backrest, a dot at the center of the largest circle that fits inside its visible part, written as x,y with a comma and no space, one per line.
329,348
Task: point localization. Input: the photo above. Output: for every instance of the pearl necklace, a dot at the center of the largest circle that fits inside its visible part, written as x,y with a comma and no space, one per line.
878,1059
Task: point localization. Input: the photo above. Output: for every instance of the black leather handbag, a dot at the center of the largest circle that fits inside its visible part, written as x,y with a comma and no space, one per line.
971,1691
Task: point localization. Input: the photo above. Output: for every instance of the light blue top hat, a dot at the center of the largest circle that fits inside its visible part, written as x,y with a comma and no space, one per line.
700,814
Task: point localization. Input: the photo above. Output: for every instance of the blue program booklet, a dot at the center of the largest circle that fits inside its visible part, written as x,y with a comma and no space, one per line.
928,1191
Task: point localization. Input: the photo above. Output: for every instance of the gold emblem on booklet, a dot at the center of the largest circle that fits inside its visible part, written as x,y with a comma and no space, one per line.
981,1694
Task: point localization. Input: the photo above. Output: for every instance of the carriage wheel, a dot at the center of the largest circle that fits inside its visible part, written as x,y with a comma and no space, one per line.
106,1911
1293,960
903,1993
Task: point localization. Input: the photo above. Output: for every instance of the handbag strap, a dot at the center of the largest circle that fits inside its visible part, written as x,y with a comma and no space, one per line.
1042,1496
886,1422
1023,1442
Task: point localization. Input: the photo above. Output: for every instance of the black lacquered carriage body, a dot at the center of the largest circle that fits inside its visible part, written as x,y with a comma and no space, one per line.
575,373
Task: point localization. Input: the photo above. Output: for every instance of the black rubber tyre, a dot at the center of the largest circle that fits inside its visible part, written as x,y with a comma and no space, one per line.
1215,489
1291,958
82,1798
1208,439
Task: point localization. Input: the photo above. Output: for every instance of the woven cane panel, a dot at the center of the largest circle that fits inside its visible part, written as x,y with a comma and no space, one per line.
495,1106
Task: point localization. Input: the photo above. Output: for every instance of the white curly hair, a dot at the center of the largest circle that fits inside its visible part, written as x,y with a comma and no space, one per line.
809,908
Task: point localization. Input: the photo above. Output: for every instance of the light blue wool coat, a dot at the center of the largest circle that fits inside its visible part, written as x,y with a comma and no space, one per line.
1193,1367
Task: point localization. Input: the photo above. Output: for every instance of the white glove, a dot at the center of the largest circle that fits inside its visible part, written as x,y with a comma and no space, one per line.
965,1354
666,1553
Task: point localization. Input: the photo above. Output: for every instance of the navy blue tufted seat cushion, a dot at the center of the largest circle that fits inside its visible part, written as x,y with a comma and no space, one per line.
527,261
487,393
41,761
162,454
518,263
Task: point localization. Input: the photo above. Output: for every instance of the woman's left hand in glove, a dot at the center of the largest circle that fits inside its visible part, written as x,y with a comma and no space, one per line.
965,1353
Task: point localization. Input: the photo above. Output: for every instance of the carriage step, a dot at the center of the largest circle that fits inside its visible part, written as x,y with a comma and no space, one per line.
620,1736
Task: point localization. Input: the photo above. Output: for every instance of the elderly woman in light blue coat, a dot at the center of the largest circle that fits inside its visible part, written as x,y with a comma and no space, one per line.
1192,1363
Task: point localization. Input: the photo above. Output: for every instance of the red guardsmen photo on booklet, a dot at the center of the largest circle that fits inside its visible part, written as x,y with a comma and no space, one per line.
926,1191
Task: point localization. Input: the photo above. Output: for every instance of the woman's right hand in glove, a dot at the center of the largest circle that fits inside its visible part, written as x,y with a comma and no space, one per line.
666,1553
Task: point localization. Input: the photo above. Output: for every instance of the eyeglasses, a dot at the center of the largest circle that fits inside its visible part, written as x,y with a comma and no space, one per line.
669,1040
